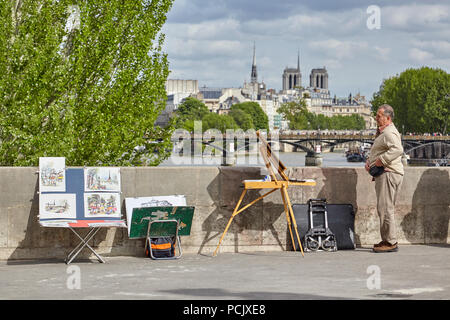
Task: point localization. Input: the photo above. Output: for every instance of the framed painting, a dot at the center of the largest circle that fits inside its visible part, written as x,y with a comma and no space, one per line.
52,174
57,206
102,205
99,179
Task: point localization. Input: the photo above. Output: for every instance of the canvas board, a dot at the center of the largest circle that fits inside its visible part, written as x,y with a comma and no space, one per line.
102,205
154,201
57,206
52,174
100,179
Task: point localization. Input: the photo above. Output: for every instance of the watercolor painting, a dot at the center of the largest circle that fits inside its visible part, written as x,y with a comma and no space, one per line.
57,206
101,179
102,205
52,174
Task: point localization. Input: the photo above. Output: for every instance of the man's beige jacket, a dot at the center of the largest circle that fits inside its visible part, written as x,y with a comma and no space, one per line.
388,147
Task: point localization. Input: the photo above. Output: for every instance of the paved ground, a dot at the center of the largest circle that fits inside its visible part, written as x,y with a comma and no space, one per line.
415,272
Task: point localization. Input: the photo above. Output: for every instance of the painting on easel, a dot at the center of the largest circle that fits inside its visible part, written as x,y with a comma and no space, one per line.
52,174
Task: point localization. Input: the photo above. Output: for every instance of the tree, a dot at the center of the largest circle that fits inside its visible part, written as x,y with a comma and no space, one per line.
242,119
420,99
259,117
300,118
219,122
90,90
190,110
296,113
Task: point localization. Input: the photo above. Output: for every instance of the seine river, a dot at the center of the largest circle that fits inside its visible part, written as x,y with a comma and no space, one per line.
289,159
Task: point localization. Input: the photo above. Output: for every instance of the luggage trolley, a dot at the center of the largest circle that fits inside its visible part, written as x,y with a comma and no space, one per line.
320,236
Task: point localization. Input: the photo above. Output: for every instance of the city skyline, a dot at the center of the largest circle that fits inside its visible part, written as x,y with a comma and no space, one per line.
212,42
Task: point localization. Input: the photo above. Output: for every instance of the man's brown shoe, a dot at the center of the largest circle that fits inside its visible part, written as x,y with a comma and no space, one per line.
382,243
387,247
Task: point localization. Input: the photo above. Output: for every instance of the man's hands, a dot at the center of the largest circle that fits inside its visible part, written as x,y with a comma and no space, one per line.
378,163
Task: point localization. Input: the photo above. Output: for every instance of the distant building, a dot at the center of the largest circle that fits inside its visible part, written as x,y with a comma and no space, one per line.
210,97
318,78
355,105
177,90
181,86
317,96
292,77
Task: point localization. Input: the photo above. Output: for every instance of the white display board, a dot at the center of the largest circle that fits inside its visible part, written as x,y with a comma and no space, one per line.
154,201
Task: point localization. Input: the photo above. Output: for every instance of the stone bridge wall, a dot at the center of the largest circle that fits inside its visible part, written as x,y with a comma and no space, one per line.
422,209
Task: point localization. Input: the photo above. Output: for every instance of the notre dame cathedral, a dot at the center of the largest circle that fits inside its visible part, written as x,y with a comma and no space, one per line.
292,78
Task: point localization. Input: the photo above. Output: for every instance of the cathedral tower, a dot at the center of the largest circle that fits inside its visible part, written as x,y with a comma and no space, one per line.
292,77
319,78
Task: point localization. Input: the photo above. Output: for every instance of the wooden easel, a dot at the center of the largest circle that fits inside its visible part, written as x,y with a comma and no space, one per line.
282,184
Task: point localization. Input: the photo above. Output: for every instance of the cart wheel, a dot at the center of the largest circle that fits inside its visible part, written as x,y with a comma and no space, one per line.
329,245
312,244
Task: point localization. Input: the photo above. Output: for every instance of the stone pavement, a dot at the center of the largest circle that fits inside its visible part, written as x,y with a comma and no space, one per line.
415,272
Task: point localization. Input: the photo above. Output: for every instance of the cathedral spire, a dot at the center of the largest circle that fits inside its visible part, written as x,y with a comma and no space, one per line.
254,54
298,60
254,75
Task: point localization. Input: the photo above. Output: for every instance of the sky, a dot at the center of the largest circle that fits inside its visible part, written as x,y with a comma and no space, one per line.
212,40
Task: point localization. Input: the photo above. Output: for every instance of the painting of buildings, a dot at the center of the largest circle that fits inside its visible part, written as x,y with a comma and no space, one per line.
102,179
102,205
52,174
57,206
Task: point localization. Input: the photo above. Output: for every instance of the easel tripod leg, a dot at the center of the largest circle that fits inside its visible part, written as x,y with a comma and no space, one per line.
287,218
231,219
293,220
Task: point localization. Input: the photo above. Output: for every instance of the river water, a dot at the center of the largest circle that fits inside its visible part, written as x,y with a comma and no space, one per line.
289,159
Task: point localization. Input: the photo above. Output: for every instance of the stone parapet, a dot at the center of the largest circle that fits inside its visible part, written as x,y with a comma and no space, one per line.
422,214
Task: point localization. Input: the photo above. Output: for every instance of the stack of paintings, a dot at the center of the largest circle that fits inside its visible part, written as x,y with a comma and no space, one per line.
54,203
102,192
94,191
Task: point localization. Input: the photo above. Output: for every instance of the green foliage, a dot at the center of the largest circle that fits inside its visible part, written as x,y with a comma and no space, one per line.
296,113
300,118
90,94
242,119
257,114
189,111
192,110
420,98
219,122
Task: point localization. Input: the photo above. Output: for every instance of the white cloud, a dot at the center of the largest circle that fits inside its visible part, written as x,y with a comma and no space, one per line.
382,53
333,63
213,41
200,49
439,47
420,56
415,16
213,29
337,48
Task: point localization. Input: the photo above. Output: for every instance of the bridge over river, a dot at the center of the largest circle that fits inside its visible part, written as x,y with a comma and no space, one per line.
313,142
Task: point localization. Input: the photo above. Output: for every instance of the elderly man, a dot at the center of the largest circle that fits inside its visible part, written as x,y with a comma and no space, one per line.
386,152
